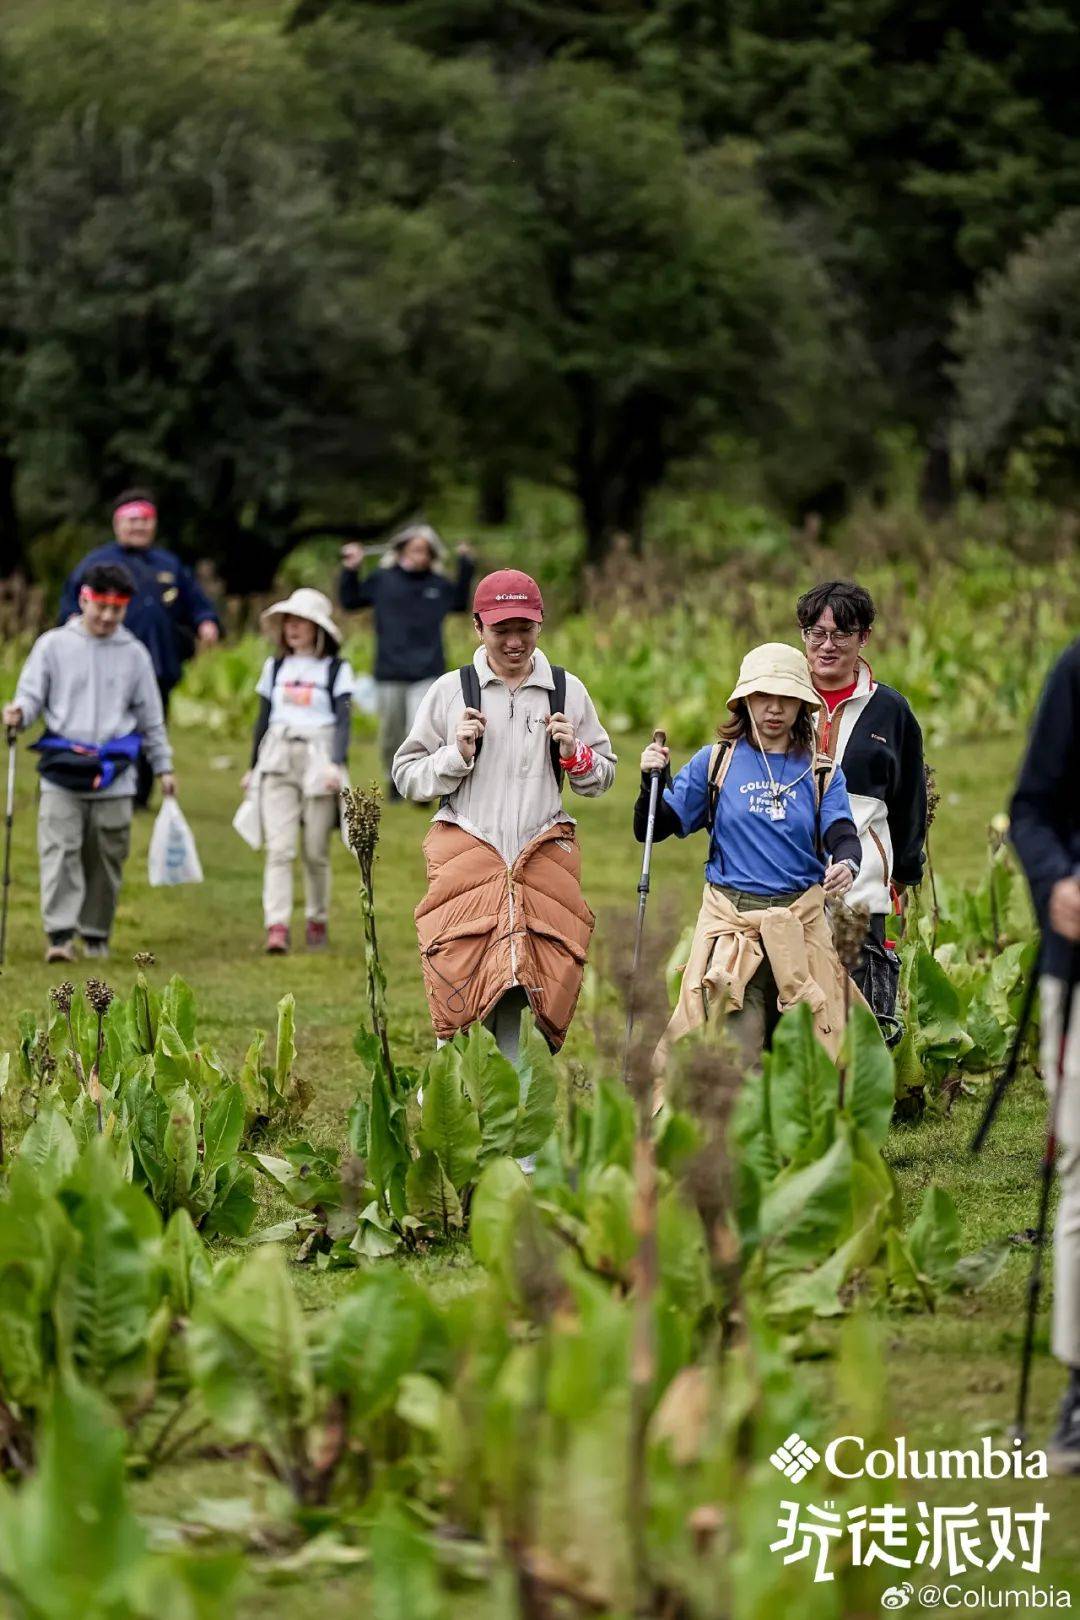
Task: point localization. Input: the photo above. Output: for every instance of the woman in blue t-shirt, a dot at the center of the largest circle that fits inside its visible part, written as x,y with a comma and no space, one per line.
781,834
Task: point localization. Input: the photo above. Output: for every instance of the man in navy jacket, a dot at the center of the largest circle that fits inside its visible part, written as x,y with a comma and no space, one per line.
411,599
170,613
1045,830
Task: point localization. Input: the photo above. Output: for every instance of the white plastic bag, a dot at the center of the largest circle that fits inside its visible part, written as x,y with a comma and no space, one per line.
173,857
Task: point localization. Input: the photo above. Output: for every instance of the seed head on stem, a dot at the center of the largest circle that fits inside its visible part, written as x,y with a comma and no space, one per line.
62,995
144,959
933,795
850,925
99,995
362,814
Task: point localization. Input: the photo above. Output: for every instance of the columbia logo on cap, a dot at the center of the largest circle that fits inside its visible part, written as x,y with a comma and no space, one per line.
512,596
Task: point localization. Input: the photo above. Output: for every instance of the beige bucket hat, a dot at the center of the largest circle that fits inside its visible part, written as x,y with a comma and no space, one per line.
304,603
777,669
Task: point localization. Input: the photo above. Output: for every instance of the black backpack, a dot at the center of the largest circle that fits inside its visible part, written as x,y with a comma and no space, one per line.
470,691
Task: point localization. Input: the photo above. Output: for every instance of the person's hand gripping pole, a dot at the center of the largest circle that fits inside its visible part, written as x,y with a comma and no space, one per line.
655,761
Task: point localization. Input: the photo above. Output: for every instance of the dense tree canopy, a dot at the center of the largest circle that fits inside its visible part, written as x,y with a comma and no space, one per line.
300,264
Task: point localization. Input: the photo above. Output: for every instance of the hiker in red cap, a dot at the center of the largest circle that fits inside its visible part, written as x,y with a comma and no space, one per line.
504,925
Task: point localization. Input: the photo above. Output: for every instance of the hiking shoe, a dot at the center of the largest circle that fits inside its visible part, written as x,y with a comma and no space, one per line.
1063,1449
96,949
277,940
527,1165
316,935
61,953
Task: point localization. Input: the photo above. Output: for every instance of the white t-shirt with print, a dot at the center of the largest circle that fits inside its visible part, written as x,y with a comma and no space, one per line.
299,698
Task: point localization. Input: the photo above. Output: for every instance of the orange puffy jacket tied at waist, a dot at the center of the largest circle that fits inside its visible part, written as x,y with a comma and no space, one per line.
485,927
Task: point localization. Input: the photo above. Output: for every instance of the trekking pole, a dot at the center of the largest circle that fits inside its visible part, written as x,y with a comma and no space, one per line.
1008,1073
655,774
12,734
1047,1182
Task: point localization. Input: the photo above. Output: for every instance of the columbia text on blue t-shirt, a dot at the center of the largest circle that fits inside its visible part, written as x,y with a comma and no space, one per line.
750,850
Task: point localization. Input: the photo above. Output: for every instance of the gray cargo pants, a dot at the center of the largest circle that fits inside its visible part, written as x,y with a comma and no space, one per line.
397,703
1065,1330
82,847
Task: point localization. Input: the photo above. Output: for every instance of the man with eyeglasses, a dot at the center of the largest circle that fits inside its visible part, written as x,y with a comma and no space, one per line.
871,730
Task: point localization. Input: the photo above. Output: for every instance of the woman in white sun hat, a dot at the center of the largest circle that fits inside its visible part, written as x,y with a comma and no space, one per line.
782,840
298,758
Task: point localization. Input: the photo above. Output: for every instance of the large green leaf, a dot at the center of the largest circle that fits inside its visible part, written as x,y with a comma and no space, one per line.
389,1154
448,1124
940,1039
285,1049
803,1084
69,1542
492,1082
248,1350
174,1065
404,1572
610,1241
431,1194
187,1264
804,1213
112,1284
383,1329
539,1089
497,1201
222,1130
934,1238
181,1147
178,1006
232,1208
871,1084
48,1147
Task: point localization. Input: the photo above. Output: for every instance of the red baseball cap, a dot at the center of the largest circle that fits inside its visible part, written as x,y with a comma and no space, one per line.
508,594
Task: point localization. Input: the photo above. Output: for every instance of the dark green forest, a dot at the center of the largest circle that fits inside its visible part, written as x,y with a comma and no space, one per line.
302,265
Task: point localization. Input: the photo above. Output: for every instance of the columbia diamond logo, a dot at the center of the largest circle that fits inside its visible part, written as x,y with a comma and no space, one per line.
794,1459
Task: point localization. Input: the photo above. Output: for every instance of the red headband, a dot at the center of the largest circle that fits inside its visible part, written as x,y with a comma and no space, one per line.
110,598
136,509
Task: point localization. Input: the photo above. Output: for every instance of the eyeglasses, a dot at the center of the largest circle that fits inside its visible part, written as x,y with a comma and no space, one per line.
817,637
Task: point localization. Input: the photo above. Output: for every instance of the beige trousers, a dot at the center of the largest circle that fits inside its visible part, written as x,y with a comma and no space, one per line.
82,847
290,820
1065,1329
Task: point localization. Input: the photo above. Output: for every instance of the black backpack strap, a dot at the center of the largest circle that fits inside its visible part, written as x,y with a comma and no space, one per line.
276,670
470,691
557,706
331,677
720,753
824,771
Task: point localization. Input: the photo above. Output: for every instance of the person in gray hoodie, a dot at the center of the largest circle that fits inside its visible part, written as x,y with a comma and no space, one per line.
94,686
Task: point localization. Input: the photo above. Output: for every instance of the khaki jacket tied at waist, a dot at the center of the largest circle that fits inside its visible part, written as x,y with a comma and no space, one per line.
727,950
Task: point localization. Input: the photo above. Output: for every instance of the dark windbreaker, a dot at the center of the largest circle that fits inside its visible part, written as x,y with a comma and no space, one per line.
409,613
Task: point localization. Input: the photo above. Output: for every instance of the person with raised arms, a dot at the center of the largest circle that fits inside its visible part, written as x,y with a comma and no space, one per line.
410,597
781,842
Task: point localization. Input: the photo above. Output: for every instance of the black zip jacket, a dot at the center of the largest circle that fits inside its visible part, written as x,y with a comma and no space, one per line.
882,756
409,613
1045,811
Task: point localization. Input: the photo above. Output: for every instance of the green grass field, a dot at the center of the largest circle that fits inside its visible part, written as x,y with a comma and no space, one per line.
951,1375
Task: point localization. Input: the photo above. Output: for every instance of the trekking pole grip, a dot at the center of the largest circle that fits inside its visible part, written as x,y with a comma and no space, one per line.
660,738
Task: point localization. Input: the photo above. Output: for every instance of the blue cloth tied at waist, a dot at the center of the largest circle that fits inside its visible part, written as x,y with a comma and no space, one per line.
85,767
